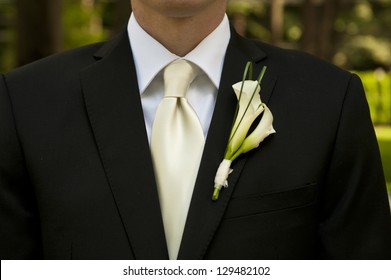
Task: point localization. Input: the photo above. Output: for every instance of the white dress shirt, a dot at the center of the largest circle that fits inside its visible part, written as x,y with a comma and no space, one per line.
150,57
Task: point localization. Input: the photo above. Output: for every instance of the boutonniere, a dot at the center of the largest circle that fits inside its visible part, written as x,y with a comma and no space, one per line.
241,140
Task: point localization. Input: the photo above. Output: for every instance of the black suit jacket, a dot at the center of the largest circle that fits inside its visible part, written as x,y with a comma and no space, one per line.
76,177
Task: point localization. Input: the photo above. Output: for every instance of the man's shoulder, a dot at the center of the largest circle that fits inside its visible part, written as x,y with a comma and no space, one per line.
69,60
296,62
304,72
55,75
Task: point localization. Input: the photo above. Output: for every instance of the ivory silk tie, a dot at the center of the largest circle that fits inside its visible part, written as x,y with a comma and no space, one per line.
177,143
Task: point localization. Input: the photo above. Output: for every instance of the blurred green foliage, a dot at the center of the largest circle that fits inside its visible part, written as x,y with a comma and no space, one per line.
253,13
362,29
7,36
82,23
377,85
365,38
384,139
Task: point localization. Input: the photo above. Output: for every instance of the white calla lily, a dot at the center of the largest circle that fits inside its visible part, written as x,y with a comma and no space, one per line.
247,93
263,130
249,108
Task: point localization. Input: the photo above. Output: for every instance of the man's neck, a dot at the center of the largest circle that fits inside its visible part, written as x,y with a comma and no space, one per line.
179,35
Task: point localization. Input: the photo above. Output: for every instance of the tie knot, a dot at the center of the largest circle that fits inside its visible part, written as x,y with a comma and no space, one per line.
178,76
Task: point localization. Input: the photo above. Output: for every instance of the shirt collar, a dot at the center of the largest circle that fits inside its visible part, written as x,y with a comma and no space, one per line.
150,57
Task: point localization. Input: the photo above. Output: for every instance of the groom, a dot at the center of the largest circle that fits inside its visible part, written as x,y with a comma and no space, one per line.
77,179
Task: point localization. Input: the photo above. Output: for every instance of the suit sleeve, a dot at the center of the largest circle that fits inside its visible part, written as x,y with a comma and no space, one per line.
19,230
355,213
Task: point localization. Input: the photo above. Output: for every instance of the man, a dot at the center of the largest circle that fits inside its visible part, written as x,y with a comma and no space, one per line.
77,178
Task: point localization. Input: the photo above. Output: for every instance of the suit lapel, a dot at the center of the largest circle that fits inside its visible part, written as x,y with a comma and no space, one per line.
114,108
205,215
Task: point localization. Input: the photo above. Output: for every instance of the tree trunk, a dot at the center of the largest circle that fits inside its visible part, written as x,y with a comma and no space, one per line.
318,22
39,29
277,20
327,33
310,27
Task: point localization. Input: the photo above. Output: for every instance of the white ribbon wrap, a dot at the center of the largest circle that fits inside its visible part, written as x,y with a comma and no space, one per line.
222,173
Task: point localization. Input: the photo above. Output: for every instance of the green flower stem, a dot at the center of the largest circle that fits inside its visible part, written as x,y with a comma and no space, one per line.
216,193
